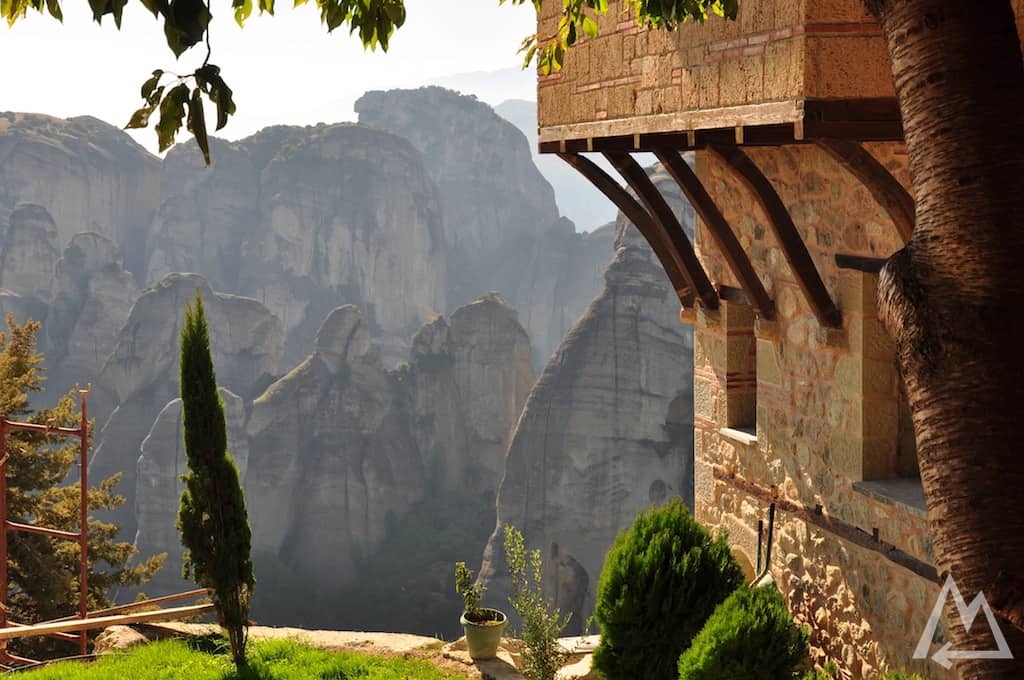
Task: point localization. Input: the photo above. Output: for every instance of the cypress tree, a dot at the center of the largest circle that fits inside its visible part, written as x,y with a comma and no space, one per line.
212,517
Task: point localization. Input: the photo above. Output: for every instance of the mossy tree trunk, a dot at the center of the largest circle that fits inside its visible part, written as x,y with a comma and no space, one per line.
212,517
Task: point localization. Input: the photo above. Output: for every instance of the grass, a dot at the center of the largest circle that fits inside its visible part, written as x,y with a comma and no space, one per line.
208,659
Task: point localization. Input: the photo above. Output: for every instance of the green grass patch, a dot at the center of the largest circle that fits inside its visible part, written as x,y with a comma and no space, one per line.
204,659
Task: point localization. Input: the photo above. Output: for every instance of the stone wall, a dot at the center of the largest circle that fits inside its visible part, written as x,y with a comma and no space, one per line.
775,50
826,439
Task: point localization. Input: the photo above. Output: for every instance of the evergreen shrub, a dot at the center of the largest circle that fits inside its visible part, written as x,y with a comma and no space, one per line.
751,636
662,579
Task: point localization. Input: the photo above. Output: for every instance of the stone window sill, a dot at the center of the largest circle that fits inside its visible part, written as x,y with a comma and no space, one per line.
905,493
742,435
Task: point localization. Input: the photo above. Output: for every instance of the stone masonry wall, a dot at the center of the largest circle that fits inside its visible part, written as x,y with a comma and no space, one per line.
775,50
827,415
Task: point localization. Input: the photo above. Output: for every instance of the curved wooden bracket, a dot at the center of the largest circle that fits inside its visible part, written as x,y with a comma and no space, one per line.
885,188
786,233
669,230
719,229
636,214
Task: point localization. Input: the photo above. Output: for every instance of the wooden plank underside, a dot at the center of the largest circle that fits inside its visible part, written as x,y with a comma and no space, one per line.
786,233
103,621
788,111
670,231
885,188
720,230
636,214
766,123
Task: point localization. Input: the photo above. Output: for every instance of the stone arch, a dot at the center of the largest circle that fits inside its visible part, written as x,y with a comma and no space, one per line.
745,563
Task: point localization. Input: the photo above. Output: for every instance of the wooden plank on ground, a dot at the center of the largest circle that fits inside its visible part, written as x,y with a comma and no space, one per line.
104,621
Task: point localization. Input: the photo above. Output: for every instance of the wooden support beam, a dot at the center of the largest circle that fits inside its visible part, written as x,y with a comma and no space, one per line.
885,188
670,231
103,621
636,214
786,233
720,230
818,517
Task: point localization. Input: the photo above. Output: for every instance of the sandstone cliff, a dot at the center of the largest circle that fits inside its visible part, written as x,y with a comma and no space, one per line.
606,431
304,220
29,251
89,176
351,464
141,374
92,299
502,226
158,487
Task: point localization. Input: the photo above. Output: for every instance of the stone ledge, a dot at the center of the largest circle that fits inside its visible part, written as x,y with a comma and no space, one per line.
904,493
742,435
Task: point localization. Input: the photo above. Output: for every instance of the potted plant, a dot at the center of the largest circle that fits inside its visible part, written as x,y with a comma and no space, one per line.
483,625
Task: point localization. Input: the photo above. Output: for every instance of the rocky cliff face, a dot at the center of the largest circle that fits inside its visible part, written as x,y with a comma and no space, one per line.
306,219
364,450
606,431
502,227
141,374
158,487
30,250
90,176
92,299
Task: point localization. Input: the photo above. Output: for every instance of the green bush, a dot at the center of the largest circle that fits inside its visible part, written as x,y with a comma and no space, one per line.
750,635
831,672
542,654
662,579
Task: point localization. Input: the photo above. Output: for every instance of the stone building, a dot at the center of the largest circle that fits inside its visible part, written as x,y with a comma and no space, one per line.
802,190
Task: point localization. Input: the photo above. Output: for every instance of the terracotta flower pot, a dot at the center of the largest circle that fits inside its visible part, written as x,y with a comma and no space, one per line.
483,632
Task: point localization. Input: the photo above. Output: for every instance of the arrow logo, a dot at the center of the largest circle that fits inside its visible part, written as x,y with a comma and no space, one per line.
968,613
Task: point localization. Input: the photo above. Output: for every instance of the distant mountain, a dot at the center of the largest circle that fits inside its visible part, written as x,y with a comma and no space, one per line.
492,87
576,197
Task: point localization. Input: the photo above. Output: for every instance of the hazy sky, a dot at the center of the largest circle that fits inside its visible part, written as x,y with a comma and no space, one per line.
283,69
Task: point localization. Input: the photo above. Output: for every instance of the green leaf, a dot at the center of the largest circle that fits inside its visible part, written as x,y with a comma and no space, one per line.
185,24
116,8
53,6
140,119
172,113
197,123
589,27
150,85
209,80
99,8
243,10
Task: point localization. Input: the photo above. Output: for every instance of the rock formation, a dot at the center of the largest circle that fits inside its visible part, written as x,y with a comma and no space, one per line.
369,453
606,431
577,198
468,383
90,176
158,487
29,253
502,226
305,220
141,373
92,298
330,459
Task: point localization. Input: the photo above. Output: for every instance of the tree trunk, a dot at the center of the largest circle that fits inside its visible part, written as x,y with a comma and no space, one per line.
953,299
